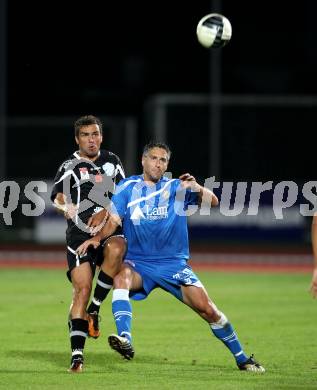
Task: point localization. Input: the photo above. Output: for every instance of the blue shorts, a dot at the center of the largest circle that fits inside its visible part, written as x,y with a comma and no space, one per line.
168,274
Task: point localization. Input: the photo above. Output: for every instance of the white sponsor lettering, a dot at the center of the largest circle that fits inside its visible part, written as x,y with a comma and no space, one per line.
156,212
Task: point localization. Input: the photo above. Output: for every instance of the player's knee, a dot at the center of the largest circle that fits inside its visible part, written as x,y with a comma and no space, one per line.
123,279
115,248
82,293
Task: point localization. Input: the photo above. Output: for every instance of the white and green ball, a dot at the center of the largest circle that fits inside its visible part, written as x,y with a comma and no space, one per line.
214,31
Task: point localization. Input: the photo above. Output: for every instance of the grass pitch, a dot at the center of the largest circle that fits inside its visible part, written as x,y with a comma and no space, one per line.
273,315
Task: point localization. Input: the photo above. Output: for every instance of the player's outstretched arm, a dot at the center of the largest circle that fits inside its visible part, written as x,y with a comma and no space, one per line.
313,286
205,194
111,225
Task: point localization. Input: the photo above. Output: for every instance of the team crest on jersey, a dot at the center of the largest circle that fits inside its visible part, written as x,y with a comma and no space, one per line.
84,174
166,195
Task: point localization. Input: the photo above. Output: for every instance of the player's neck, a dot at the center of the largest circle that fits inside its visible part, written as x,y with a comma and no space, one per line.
149,181
84,156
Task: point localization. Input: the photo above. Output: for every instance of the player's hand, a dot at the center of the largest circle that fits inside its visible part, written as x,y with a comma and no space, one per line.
189,181
313,286
71,211
97,221
82,249
68,209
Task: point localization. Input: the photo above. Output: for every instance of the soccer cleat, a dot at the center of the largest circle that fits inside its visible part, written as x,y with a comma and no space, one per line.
93,325
76,365
251,365
121,345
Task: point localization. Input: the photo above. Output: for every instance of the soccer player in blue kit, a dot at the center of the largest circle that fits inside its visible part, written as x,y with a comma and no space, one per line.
152,210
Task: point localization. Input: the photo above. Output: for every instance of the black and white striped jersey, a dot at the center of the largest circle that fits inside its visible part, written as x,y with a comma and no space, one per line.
87,184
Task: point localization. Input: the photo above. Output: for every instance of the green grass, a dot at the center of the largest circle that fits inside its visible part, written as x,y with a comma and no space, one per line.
273,315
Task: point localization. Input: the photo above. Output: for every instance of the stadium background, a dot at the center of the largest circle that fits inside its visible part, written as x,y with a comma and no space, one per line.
244,113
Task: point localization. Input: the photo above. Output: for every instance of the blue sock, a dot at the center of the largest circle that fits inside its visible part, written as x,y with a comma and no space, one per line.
122,312
223,330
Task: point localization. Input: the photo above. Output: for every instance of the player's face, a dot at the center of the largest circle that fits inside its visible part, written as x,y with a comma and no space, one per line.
154,164
89,140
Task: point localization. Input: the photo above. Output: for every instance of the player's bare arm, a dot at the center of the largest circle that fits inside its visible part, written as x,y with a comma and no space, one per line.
109,228
313,286
206,196
97,221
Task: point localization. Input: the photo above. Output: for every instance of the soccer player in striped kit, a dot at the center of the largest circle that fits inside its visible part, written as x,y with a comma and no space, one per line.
83,185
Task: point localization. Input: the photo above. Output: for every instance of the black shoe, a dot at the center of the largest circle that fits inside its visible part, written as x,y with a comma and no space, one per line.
121,345
76,365
251,365
93,325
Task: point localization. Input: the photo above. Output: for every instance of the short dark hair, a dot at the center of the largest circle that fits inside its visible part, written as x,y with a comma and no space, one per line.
154,144
86,120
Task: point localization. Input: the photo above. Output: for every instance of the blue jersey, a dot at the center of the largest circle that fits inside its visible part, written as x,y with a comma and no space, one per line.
154,217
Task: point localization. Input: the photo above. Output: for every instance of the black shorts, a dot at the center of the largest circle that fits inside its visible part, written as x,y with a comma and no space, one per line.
95,257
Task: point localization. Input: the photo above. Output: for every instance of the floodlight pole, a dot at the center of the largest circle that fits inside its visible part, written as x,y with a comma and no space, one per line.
215,106
3,82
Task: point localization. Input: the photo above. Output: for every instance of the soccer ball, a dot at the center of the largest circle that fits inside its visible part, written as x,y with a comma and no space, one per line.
214,31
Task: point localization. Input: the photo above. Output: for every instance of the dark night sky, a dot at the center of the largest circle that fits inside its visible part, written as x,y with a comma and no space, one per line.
108,57
101,57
